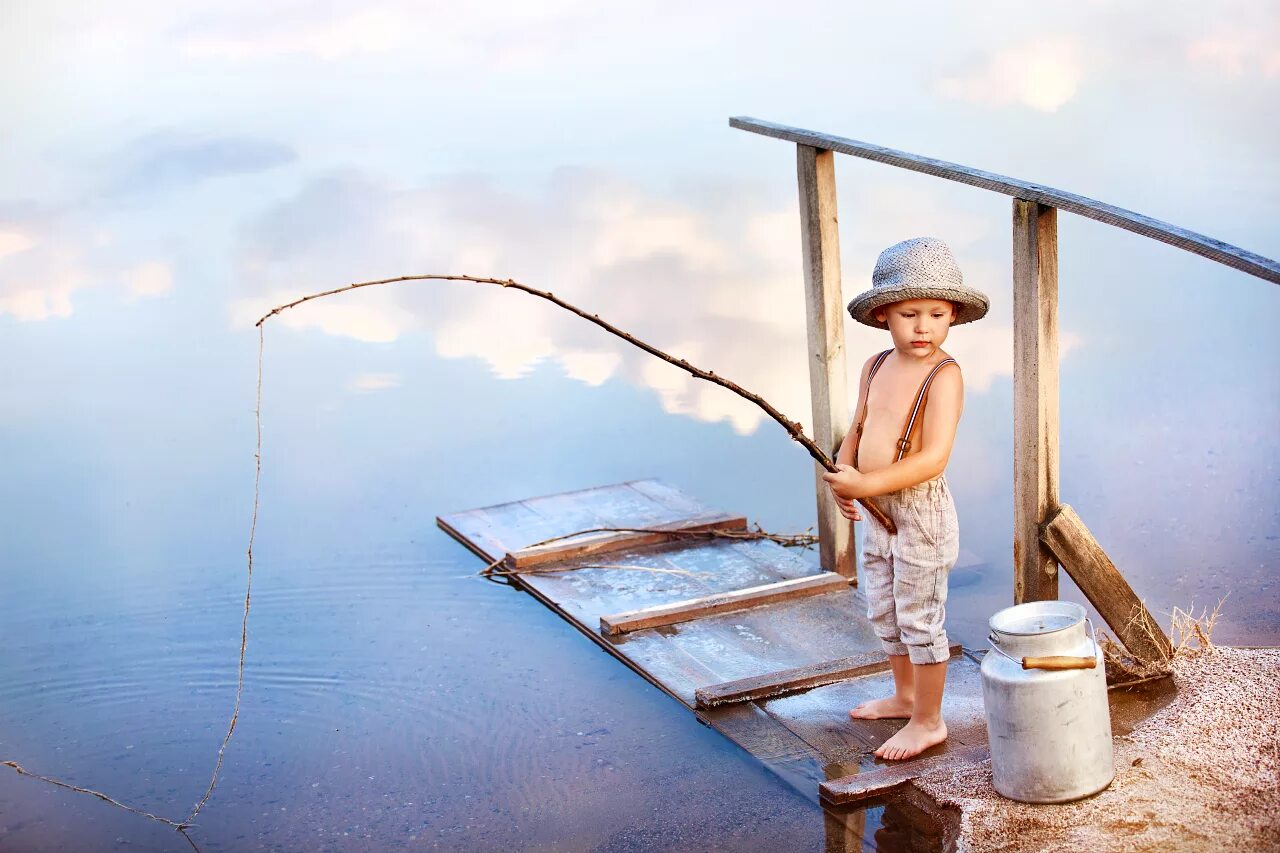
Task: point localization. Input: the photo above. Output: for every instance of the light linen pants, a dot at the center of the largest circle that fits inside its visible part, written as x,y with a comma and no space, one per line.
904,576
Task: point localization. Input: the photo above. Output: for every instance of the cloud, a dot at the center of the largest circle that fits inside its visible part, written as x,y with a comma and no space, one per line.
369,382
153,278
357,32
1237,53
12,242
1042,75
41,263
716,280
511,37
49,255
170,159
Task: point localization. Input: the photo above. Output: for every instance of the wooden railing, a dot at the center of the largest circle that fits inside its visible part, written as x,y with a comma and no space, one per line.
1046,532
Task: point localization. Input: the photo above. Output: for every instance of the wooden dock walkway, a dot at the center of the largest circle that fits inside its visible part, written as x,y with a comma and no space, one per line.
751,637
756,644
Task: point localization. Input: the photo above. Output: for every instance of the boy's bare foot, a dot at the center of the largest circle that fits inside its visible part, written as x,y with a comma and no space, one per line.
911,740
889,708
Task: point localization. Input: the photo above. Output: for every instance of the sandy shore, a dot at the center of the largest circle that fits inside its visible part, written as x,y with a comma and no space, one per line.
1200,774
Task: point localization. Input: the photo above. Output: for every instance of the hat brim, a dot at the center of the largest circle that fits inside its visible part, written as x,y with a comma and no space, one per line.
973,303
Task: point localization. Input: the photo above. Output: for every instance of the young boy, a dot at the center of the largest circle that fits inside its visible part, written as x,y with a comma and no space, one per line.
895,456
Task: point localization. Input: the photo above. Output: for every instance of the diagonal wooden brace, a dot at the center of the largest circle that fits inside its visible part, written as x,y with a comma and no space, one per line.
1089,566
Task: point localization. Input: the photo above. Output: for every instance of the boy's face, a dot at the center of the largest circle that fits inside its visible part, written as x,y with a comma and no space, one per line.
918,326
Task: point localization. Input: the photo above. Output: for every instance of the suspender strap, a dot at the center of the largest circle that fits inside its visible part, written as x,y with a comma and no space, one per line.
875,365
862,416
904,443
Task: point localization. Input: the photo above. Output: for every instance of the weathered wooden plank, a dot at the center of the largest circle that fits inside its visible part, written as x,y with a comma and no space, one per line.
1107,590
703,568
1035,397
656,676
669,496
680,674
723,602
747,725
824,317
820,716
1214,250
503,528
590,587
862,786
447,524
798,678
779,636
603,542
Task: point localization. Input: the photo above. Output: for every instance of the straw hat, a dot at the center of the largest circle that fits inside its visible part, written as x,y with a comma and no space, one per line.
919,268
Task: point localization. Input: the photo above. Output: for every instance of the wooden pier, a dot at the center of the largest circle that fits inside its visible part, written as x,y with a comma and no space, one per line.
746,634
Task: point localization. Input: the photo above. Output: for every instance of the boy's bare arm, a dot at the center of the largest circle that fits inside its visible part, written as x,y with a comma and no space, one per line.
941,417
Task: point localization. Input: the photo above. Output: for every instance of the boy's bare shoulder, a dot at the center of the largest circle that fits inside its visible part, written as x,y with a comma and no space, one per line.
948,381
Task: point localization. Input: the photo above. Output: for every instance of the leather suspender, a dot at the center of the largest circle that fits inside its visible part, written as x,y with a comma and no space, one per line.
904,443
866,396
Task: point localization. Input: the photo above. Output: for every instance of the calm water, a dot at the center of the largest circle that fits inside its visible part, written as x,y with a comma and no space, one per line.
178,171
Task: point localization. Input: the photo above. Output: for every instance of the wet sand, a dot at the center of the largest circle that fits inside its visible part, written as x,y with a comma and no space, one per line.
1202,773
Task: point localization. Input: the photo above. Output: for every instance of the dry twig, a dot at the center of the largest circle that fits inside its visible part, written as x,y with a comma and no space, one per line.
803,540
543,570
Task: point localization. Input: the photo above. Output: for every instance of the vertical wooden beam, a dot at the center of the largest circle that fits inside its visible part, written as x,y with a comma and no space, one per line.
1035,397
824,314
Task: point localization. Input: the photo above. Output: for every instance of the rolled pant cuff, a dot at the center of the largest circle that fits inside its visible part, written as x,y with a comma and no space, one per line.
929,654
894,647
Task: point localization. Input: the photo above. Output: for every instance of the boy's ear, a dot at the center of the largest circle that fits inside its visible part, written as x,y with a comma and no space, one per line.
879,314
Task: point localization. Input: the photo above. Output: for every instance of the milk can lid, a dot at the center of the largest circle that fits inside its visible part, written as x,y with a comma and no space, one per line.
1037,617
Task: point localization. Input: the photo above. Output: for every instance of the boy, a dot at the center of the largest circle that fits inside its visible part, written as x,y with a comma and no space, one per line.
896,455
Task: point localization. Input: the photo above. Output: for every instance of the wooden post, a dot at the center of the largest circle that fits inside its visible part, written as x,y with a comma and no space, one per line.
824,314
1035,397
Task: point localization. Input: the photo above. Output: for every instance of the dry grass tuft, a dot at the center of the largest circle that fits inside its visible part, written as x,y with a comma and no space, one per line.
1189,633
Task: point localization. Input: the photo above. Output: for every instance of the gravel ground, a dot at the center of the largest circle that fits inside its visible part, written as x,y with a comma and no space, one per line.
1200,774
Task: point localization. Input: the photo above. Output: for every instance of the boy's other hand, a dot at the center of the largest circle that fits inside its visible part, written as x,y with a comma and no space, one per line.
849,509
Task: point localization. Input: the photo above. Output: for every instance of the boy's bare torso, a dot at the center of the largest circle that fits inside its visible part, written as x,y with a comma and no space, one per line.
893,393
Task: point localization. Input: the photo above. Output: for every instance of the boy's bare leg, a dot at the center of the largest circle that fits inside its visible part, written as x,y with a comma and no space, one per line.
925,728
901,703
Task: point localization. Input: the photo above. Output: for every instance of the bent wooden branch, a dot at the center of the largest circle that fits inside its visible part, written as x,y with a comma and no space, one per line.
794,429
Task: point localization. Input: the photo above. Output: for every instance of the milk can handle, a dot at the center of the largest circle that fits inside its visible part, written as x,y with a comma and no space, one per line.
1056,662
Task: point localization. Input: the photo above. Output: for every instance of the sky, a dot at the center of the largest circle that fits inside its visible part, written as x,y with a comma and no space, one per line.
228,157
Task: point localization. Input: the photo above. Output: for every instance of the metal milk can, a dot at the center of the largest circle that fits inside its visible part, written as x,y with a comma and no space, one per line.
1045,692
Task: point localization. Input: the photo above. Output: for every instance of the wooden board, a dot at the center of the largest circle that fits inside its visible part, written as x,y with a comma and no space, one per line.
824,320
820,717
738,599
1216,250
1107,590
1035,397
792,680
862,786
